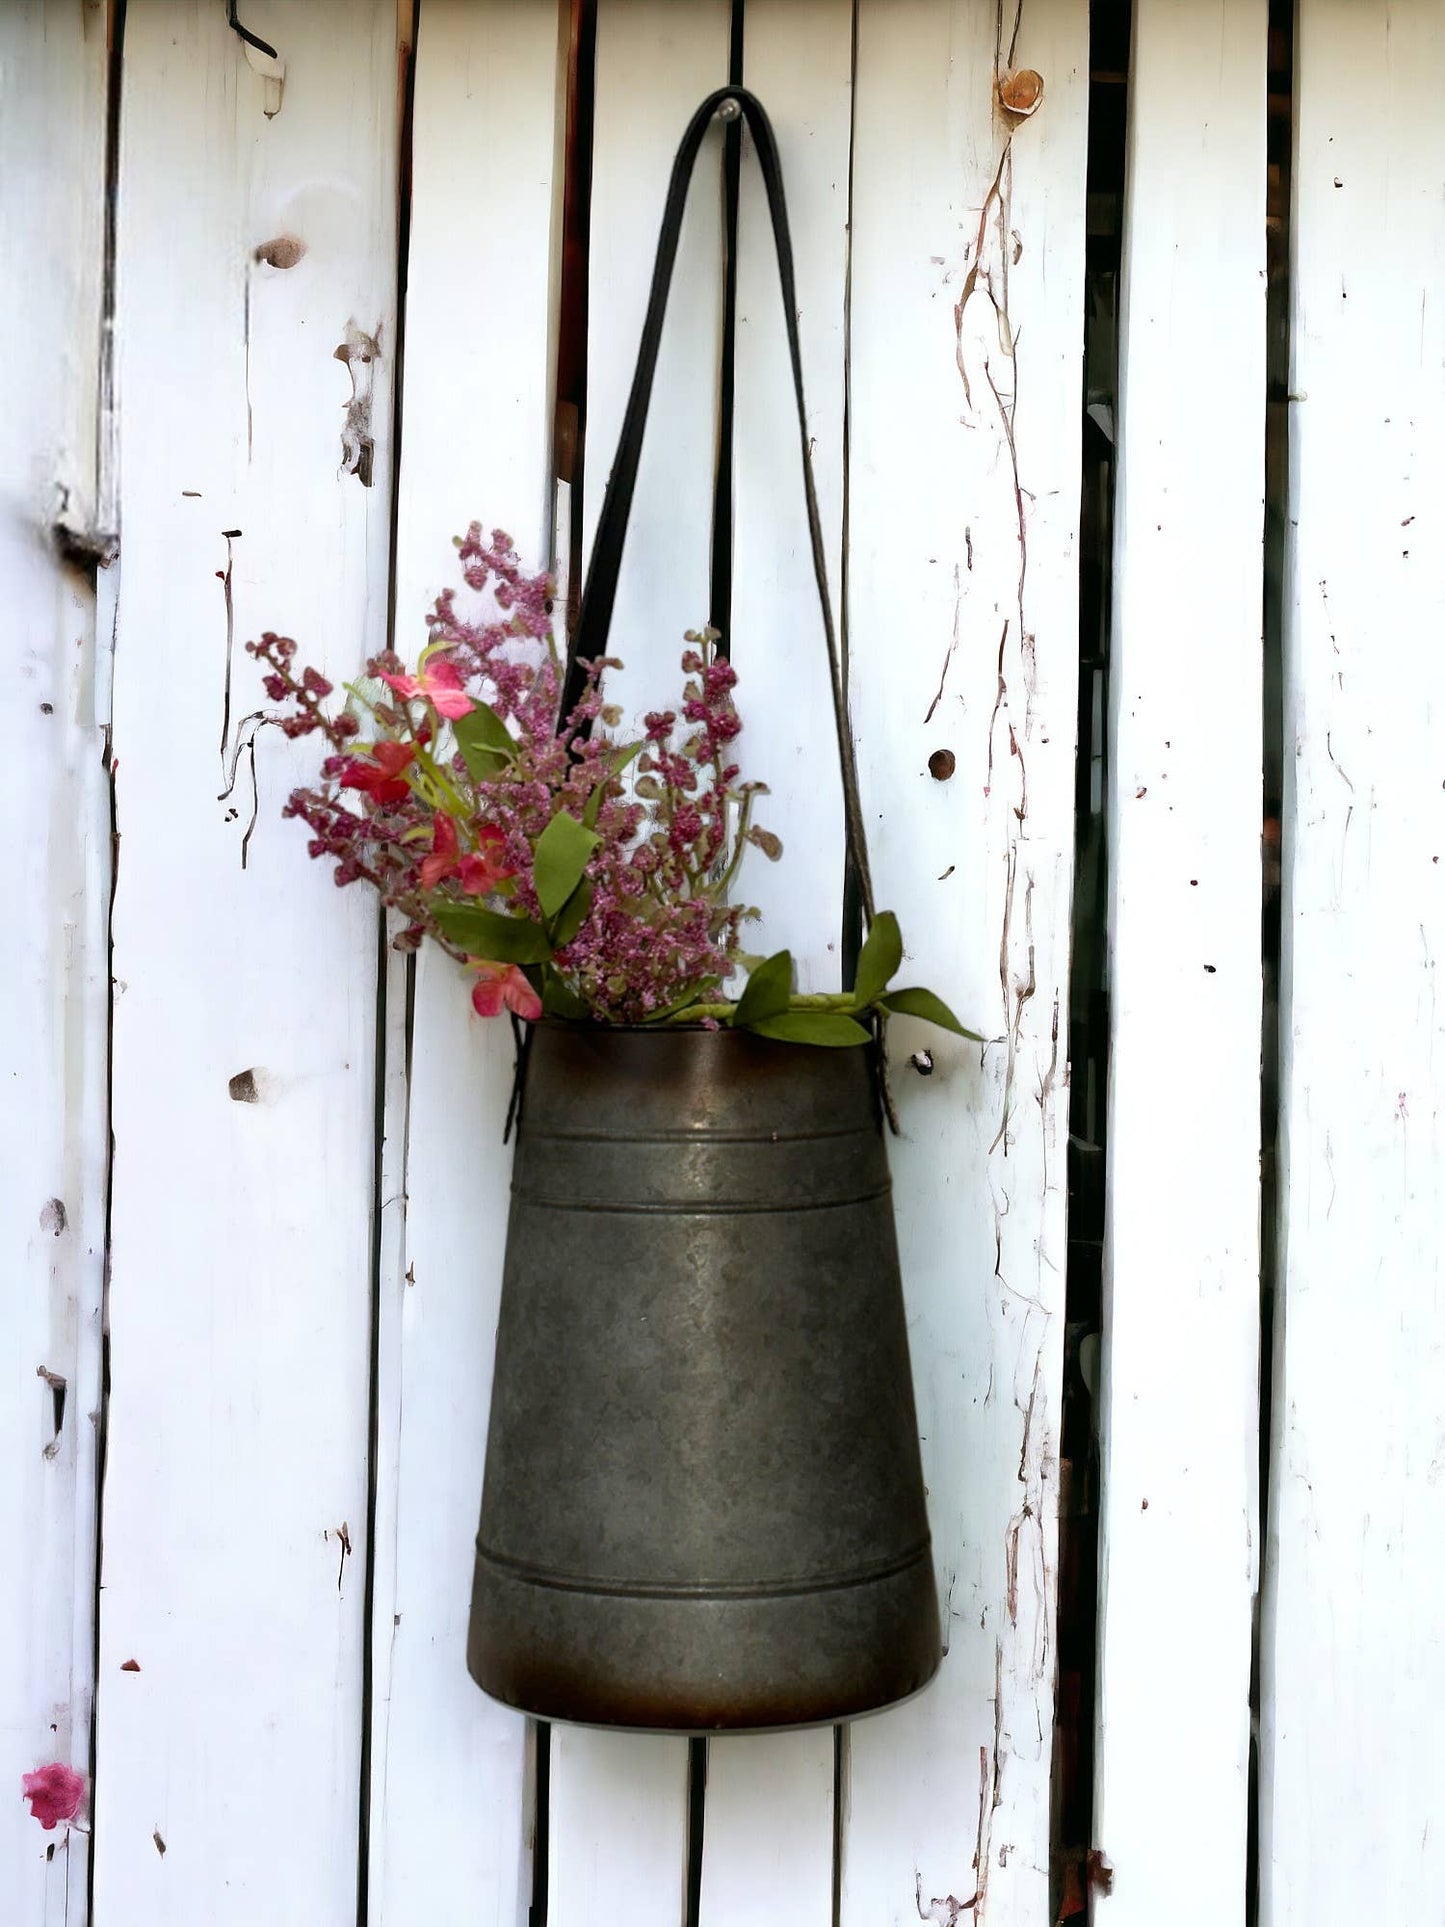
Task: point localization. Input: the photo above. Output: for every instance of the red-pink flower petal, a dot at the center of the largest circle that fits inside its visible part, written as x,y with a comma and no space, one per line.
487,997
477,875
452,703
407,687
379,771
392,757
518,995
443,674
441,685
55,1793
500,986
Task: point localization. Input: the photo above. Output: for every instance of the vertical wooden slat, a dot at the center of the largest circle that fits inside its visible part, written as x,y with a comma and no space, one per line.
618,1835
1181,1271
1353,1773
798,59
768,1844
967,283
230,1710
53,962
448,1764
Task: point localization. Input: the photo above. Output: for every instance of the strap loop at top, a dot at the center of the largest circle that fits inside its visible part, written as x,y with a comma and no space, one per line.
599,594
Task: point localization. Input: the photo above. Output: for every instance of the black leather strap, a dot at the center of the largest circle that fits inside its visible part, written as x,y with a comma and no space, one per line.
600,592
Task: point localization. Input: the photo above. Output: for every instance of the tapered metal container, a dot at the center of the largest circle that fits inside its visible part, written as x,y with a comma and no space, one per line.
703,1505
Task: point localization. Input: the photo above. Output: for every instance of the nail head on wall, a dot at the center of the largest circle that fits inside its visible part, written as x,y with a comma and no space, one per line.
1020,93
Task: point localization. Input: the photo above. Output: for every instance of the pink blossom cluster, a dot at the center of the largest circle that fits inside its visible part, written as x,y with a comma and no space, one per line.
441,779
56,1793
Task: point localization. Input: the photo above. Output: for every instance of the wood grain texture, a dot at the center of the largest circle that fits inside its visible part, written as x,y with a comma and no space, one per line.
447,1762
1352,1771
768,1844
1181,1266
618,1839
245,997
967,276
53,964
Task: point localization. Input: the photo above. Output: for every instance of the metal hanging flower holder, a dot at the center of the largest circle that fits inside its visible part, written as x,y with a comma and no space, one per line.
703,1505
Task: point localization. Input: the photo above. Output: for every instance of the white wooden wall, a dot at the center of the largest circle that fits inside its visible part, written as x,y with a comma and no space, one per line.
53,970
1178,1549
275,1144
1353,1655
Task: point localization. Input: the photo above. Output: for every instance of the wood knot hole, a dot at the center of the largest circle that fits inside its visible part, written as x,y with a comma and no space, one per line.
284,252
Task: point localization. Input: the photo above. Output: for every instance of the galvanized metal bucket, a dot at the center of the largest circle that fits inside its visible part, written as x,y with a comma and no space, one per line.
703,1505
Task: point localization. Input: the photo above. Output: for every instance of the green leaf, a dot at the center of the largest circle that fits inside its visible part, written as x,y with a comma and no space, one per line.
878,959
572,916
559,856
767,992
494,939
560,1000
486,744
933,1010
812,1027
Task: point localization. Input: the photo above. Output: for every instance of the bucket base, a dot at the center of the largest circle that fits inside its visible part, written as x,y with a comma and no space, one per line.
701,1661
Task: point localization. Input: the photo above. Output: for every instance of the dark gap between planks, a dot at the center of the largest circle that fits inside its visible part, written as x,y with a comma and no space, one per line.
569,469
1072,1785
720,603
1280,152
385,985
104,495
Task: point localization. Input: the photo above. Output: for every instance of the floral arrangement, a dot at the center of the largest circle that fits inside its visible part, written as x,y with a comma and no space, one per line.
576,874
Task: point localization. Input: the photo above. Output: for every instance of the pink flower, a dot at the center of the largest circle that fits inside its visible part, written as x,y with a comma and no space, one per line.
502,986
379,773
55,1793
477,874
441,685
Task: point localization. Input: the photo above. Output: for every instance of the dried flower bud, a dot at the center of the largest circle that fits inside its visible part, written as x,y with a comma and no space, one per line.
770,845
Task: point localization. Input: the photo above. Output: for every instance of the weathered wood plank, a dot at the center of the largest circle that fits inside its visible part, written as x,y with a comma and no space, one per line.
618,1835
1352,1770
449,1764
968,237
798,59
53,963
768,1843
251,248
1181,1269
